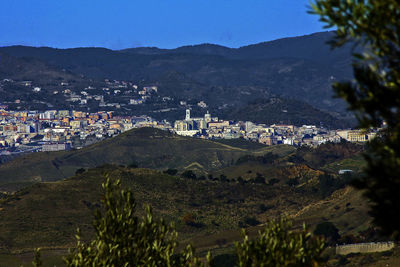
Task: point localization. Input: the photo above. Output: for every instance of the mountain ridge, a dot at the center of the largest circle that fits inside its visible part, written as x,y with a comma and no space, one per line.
303,68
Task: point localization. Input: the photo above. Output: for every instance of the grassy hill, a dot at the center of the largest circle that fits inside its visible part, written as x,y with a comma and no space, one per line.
47,214
145,147
157,149
271,184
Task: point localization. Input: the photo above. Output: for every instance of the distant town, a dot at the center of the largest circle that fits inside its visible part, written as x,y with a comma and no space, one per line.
55,130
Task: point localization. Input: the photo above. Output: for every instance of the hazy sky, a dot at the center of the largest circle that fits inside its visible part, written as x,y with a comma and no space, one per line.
120,24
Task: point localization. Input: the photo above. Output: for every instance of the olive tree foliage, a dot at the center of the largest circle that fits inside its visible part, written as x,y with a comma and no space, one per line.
374,94
37,260
123,239
278,245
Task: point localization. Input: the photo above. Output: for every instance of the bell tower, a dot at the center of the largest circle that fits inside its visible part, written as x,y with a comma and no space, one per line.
187,115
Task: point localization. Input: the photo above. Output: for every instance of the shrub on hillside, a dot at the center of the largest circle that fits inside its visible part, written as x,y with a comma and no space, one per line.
278,245
260,179
190,220
80,171
329,231
133,165
189,174
171,171
273,181
252,221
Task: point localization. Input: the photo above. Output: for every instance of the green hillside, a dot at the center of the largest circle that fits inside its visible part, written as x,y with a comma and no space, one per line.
161,150
47,214
145,147
208,210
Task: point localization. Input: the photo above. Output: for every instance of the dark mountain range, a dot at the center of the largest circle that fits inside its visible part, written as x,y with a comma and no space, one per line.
222,101
285,111
313,47
300,67
30,68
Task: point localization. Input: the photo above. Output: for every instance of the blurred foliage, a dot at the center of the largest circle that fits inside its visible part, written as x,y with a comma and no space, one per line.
122,239
224,260
37,261
278,245
374,96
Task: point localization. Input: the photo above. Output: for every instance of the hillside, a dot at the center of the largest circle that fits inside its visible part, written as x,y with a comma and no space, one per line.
299,67
236,184
145,147
29,68
157,149
236,102
47,214
286,111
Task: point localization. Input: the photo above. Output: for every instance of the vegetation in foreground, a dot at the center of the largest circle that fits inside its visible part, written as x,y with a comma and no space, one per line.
374,95
122,239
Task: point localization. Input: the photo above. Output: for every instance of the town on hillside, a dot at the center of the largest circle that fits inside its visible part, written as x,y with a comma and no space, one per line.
54,130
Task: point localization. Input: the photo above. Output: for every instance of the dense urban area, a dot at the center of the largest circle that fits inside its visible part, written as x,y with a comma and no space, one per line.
53,130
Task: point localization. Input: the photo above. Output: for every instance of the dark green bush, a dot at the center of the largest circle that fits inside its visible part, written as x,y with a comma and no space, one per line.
329,231
189,174
171,171
278,245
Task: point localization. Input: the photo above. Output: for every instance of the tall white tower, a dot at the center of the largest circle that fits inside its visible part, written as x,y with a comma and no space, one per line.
207,117
187,115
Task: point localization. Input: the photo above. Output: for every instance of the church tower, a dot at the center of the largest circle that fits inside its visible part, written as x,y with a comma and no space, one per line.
207,117
187,115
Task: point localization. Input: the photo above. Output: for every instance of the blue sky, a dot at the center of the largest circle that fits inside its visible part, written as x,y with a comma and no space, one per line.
120,24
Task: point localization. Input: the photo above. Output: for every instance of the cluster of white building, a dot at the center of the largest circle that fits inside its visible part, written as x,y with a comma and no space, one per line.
311,135
57,129
52,130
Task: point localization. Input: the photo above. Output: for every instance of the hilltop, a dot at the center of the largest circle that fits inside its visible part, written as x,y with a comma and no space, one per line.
161,150
144,147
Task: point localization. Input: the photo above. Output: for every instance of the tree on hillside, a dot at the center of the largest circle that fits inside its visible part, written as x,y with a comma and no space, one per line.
123,239
329,231
278,245
189,174
374,95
